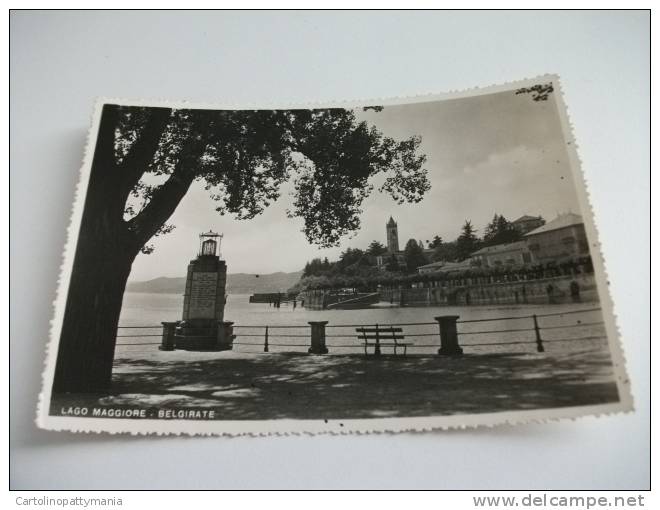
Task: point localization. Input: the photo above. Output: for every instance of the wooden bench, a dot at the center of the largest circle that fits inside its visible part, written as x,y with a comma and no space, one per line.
382,337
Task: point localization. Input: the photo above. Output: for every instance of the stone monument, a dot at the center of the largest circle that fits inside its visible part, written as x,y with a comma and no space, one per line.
202,326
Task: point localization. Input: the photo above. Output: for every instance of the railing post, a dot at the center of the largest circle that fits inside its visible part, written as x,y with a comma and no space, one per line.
318,338
448,336
266,340
377,347
537,332
225,336
167,341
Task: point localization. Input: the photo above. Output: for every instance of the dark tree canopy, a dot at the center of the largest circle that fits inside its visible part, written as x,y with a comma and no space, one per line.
446,251
435,242
317,267
539,92
244,156
500,231
467,242
413,254
392,264
376,248
351,260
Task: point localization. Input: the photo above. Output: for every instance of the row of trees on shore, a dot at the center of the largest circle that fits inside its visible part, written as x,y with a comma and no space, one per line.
467,276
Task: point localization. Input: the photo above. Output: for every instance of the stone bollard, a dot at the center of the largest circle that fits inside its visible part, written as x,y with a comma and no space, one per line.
167,341
318,338
225,336
448,336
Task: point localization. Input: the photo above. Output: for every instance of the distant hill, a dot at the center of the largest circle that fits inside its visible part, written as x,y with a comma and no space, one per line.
237,283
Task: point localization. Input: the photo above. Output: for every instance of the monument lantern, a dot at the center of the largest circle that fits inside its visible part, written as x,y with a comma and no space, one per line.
202,326
208,243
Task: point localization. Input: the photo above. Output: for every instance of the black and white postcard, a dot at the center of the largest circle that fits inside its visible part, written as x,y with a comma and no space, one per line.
392,265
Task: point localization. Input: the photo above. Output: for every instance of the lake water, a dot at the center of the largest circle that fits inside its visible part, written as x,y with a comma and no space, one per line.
565,331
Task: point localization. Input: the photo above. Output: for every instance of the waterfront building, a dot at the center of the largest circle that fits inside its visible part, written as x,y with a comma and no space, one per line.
432,267
560,239
444,267
527,223
499,255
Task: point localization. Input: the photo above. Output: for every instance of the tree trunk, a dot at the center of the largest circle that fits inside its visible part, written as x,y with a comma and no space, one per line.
87,343
106,248
104,254
105,251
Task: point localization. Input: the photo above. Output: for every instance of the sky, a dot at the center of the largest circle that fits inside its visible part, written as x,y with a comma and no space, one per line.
497,153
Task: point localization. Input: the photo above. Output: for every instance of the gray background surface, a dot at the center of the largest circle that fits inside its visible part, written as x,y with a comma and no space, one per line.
61,61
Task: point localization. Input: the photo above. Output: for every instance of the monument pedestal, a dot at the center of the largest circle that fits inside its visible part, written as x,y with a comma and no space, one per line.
225,336
196,335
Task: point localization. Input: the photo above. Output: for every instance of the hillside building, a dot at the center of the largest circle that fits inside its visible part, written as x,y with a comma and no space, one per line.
444,267
560,239
527,223
509,254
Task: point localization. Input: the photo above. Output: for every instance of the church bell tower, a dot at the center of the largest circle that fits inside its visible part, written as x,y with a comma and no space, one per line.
392,236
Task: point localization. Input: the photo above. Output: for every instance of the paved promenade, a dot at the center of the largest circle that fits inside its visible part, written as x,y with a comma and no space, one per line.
270,386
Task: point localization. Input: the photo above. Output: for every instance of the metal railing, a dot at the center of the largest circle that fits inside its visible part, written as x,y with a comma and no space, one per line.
525,331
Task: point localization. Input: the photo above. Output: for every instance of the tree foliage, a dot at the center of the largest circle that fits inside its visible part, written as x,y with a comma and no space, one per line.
376,248
445,251
351,260
435,242
392,264
413,255
317,267
500,231
467,242
244,156
539,92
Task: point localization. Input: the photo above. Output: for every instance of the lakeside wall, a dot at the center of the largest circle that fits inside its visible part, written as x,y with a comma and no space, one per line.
319,299
558,289
553,290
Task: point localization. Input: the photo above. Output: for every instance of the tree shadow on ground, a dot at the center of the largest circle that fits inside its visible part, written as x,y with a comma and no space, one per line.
274,386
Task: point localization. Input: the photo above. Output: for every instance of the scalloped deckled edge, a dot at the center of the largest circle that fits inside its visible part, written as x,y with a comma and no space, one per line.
287,427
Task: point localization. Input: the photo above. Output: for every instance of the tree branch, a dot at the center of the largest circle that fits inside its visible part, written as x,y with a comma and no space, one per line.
167,196
161,206
142,152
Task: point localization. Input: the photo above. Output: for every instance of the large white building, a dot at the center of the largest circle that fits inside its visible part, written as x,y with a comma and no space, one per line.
560,239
